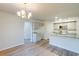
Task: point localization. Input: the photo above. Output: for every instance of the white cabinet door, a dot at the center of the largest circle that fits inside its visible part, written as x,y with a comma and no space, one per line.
36,37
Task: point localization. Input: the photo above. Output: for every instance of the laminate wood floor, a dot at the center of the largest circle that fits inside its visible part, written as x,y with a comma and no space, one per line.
31,49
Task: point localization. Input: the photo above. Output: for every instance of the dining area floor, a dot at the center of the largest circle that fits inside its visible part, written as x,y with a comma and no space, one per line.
41,48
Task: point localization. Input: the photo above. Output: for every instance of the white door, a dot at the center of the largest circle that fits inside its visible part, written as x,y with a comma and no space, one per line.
28,31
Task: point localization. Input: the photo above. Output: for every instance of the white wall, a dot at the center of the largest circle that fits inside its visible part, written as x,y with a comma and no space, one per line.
11,31
48,29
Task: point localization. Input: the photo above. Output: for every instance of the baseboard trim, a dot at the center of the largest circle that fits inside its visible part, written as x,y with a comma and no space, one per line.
4,52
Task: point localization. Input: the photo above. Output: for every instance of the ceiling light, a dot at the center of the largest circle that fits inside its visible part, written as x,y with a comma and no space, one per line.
23,12
23,16
56,17
29,15
18,13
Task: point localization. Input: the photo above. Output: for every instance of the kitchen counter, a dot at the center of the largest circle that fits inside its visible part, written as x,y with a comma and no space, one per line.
71,44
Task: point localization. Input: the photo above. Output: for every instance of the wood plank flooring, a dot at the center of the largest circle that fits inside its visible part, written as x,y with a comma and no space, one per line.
30,49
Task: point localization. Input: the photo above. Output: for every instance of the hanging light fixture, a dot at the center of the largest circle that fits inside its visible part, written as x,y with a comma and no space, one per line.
22,13
29,15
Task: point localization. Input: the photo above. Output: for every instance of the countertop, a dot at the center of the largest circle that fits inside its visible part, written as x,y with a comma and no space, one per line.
68,43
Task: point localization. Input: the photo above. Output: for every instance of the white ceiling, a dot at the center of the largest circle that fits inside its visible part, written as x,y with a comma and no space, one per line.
44,11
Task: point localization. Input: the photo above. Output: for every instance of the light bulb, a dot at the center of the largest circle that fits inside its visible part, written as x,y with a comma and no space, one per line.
18,13
29,15
23,12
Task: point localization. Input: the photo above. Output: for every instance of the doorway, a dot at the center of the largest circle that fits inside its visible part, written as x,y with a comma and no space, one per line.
27,32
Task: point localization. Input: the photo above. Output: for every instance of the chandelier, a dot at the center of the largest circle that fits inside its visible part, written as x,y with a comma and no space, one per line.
23,13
